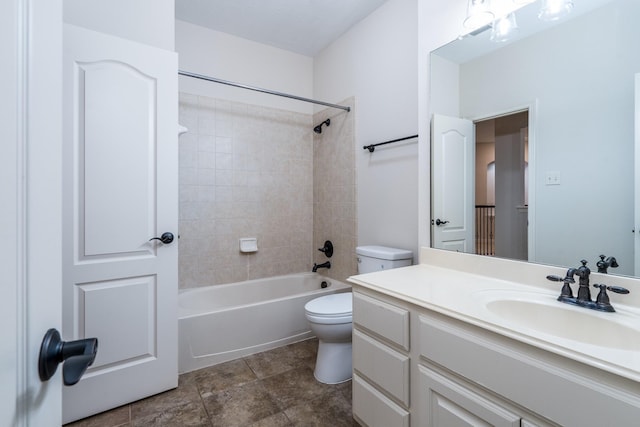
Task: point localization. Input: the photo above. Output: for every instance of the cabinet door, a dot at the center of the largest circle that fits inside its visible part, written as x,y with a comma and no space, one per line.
449,404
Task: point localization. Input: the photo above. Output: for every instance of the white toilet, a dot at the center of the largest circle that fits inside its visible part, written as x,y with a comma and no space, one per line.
330,316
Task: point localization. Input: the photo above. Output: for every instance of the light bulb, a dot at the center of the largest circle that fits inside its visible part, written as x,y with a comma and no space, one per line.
552,10
504,28
478,14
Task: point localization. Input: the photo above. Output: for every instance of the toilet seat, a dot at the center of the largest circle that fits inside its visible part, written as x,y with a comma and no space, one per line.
330,309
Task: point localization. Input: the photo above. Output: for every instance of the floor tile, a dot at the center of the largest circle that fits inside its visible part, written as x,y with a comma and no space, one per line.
328,410
346,389
294,387
277,420
223,376
307,350
240,406
282,359
191,414
163,401
114,418
275,388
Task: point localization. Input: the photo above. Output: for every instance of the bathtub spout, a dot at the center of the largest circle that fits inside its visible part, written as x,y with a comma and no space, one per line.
323,265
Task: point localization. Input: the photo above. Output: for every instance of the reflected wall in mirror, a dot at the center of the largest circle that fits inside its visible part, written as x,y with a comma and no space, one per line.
570,171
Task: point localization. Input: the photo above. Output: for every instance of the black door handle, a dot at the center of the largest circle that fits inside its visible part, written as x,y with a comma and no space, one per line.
166,238
440,222
76,355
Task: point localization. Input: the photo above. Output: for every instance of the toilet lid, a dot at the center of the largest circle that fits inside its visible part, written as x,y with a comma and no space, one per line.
330,305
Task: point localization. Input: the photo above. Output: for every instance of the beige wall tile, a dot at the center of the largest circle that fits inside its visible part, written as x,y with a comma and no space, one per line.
334,191
245,171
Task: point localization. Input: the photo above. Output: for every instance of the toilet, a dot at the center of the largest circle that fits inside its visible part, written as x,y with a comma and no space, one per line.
330,316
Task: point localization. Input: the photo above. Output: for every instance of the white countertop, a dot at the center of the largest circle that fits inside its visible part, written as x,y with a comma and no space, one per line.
462,295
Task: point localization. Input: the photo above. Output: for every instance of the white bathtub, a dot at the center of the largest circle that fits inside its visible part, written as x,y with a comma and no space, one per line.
224,322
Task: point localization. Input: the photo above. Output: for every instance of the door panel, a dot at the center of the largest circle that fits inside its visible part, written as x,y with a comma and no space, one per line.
452,175
129,148
129,336
119,190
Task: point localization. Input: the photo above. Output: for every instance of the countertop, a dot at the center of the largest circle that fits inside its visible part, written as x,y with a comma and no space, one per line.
450,286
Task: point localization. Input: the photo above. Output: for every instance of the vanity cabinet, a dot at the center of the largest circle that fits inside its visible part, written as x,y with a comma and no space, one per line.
381,362
417,367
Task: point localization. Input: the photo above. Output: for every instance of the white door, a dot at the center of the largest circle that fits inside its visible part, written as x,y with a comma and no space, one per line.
452,210
120,189
637,178
30,212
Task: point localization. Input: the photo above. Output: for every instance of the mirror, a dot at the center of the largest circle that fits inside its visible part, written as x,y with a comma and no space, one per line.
572,160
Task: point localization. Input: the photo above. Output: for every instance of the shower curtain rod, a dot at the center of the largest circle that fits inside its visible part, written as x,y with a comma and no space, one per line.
257,89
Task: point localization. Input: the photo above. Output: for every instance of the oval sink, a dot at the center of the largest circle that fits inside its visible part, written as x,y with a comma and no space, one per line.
567,322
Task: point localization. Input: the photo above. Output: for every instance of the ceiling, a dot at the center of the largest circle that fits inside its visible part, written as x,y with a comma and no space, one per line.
302,26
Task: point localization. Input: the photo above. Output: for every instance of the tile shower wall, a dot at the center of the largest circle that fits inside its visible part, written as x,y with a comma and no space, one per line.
334,189
245,171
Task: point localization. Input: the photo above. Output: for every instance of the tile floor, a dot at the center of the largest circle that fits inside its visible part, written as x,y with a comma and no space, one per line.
270,389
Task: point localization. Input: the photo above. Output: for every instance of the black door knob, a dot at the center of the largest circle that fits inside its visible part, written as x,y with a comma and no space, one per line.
440,222
166,238
76,355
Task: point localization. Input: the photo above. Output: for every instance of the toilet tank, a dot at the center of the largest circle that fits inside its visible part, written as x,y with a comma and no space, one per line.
377,258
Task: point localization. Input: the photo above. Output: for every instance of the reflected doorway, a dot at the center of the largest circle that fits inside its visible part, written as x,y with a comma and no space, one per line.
501,185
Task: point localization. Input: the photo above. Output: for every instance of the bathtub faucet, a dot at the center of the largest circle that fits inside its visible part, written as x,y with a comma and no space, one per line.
323,265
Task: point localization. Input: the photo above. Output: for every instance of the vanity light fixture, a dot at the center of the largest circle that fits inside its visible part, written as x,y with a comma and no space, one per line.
552,10
504,28
482,16
479,14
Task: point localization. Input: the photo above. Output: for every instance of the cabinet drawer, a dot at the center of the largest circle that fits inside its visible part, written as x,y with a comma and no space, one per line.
386,367
374,408
384,319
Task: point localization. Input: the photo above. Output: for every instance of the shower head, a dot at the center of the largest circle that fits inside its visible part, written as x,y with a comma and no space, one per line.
318,129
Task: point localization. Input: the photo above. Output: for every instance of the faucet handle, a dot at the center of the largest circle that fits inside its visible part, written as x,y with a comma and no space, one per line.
327,248
616,289
602,300
566,291
567,279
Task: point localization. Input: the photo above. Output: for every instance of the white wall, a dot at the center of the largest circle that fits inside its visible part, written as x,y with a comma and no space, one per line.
376,63
227,57
146,21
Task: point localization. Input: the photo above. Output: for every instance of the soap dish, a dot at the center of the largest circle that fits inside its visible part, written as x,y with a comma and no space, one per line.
249,244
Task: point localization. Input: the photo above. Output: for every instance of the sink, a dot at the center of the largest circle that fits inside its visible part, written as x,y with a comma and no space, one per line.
542,313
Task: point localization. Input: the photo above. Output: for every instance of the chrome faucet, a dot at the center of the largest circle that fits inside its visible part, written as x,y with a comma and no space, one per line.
584,293
323,265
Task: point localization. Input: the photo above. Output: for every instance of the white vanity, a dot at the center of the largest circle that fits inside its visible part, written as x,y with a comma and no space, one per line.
464,340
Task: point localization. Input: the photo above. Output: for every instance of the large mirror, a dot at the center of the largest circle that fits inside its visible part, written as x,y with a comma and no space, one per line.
533,145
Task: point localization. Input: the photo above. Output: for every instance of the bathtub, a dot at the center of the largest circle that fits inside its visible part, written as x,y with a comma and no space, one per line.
224,322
